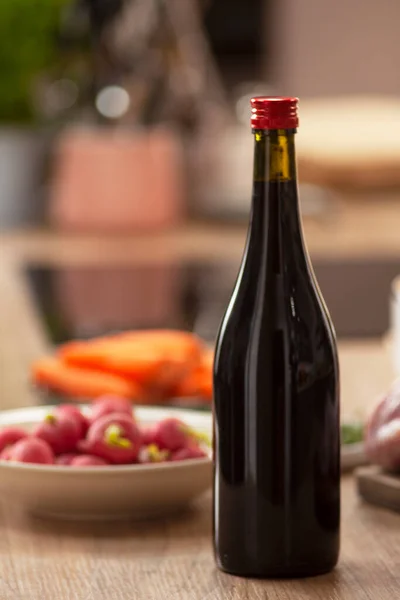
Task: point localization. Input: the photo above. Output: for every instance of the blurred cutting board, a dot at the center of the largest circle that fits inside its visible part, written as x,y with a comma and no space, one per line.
350,141
378,487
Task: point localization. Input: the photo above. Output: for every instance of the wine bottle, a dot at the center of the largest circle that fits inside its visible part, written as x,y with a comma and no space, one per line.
276,389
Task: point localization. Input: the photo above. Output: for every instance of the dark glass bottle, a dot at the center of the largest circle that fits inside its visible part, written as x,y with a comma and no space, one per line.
276,389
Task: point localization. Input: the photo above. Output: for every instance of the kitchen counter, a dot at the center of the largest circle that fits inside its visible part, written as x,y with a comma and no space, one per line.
354,226
171,559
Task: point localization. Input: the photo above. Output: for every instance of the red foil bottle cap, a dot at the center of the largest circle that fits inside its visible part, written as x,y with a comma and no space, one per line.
274,112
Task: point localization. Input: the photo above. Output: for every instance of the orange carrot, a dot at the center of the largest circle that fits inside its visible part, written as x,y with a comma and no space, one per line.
197,382
53,374
126,359
158,359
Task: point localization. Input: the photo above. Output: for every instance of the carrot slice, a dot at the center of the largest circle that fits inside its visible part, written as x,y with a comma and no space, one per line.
53,374
129,359
198,382
158,359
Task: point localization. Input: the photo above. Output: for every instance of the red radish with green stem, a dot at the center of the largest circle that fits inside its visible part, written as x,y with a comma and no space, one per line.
148,435
66,459
114,437
107,405
32,450
152,454
6,453
11,435
73,412
173,434
62,432
187,453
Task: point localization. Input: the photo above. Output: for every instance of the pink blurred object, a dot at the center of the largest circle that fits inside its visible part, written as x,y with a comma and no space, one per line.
382,436
117,180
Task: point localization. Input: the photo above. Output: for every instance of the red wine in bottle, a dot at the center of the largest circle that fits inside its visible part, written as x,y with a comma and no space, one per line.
276,390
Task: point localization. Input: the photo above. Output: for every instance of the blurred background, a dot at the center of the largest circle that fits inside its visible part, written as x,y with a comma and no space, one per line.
124,127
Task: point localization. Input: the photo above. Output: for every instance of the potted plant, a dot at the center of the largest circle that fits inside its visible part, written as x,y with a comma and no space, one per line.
28,49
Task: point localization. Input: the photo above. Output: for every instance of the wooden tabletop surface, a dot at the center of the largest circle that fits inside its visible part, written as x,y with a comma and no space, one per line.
357,226
172,559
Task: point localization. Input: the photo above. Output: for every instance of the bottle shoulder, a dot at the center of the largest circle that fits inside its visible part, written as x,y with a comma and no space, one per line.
288,306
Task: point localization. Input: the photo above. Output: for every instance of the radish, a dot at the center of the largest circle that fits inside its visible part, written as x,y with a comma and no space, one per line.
152,454
88,460
114,437
171,434
62,432
107,405
188,453
73,412
32,450
148,435
66,459
11,435
6,453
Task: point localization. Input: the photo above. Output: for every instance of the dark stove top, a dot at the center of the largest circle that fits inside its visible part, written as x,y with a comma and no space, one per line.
80,302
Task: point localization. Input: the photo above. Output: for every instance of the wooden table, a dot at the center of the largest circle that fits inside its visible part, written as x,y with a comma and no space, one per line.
359,226
172,559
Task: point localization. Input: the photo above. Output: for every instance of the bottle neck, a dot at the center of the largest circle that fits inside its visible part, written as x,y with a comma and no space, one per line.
274,156
275,224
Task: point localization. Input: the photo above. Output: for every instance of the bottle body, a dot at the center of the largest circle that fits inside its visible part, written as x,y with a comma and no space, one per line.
276,400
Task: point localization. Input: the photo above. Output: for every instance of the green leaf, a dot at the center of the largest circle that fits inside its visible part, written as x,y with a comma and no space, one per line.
28,30
352,433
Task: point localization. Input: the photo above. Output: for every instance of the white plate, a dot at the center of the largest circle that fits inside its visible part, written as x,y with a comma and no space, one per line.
134,491
352,456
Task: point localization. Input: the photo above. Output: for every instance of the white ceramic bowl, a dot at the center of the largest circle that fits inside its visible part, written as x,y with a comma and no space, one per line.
134,491
353,456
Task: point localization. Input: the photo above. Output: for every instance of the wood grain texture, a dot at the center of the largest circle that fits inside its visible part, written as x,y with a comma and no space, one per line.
172,559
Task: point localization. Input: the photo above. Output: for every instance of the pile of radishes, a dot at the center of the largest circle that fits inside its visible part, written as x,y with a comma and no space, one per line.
108,435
